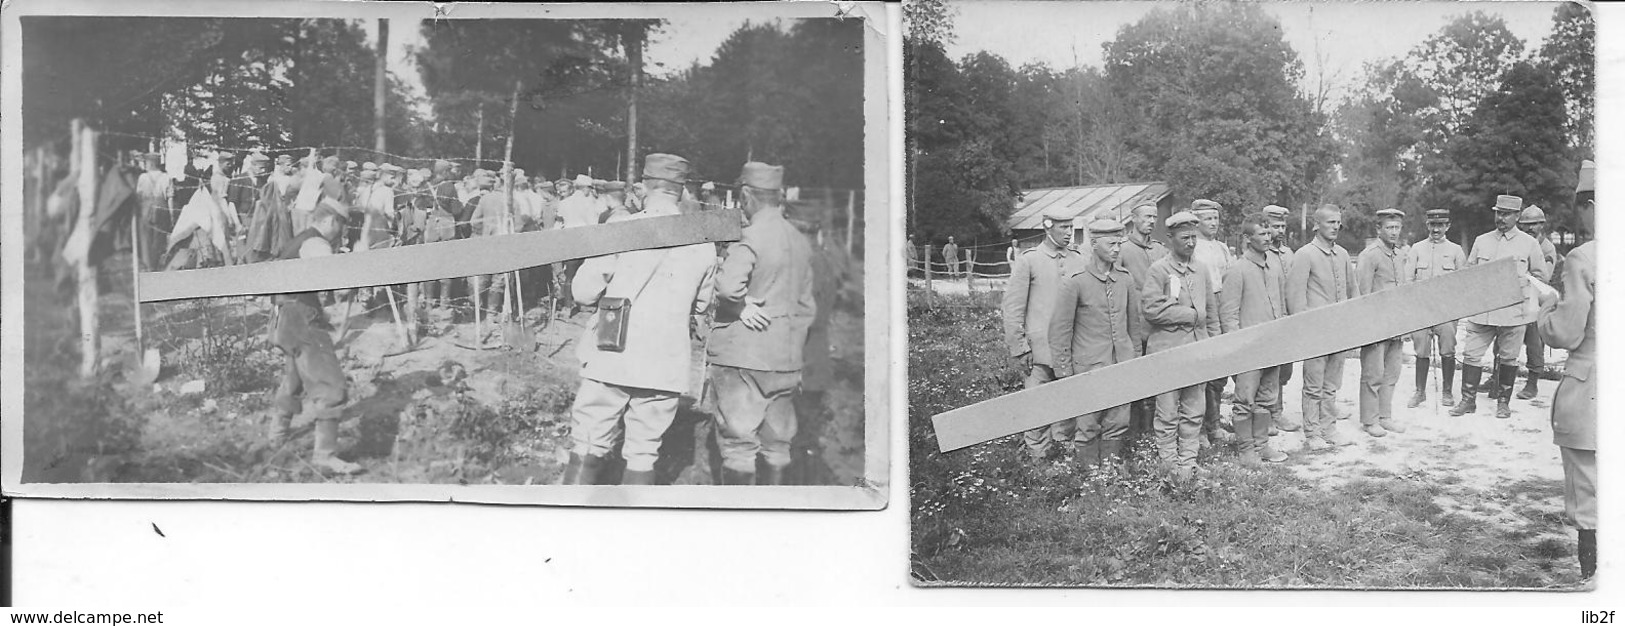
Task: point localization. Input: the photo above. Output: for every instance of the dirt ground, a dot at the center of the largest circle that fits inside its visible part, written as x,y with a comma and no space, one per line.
408,420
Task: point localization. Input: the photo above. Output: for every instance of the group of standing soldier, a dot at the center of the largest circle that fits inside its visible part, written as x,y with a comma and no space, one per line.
1126,294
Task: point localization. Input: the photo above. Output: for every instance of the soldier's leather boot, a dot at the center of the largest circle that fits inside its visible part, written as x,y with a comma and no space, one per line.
735,477
1530,388
1469,392
1270,455
1447,367
325,455
638,477
1246,445
1588,552
1087,455
584,470
572,471
1421,395
771,475
1506,379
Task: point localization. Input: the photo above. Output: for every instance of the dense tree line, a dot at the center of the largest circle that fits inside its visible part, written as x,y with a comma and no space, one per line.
1211,99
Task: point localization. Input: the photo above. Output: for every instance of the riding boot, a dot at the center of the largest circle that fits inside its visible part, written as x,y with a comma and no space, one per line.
1530,388
1421,394
1447,367
1469,391
1588,552
1506,379
325,454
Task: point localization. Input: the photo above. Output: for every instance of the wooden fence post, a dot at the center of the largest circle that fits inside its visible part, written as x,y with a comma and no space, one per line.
930,301
89,344
851,218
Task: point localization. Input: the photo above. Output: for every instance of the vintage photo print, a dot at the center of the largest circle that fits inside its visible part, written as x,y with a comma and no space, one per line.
602,254
1251,294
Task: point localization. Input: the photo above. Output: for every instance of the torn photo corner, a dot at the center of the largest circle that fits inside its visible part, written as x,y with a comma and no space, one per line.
513,254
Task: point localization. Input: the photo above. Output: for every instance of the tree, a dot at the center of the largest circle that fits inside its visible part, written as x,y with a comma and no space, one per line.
1569,52
1513,143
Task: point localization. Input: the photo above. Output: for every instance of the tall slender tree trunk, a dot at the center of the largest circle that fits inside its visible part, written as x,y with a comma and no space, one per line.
380,87
479,137
632,39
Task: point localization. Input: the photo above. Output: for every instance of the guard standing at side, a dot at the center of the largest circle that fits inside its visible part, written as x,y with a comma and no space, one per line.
1029,301
1505,326
765,307
1378,269
1094,324
1572,325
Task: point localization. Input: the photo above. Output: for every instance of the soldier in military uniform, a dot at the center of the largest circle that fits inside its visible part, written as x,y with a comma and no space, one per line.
1029,300
1321,275
1571,324
1182,309
1275,218
1215,256
1431,258
1533,221
312,379
1254,293
1379,269
629,397
766,305
1094,324
1139,252
950,255
1504,327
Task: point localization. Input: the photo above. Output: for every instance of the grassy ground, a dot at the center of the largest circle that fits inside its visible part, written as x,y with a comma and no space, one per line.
985,516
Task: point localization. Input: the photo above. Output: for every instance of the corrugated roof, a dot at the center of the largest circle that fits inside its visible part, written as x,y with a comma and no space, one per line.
1083,202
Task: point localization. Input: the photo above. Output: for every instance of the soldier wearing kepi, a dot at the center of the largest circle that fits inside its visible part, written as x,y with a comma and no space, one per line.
1254,293
630,388
299,328
1275,217
1321,275
1533,221
1431,258
765,307
1029,301
1572,325
1378,269
1094,324
1182,309
1504,327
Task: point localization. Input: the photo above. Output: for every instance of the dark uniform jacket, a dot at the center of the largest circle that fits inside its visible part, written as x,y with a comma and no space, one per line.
1572,325
770,264
1095,320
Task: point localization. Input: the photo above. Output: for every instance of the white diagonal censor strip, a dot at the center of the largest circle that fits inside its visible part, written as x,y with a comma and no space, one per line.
447,259
1325,330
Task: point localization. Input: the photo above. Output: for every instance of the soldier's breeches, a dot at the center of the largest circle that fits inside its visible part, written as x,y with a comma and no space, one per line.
756,415
1534,350
1379,373
1108,425
310,371
1445,334
1257,393
1039,441
1507,340
1179,425
604,414
1580,487
1322,377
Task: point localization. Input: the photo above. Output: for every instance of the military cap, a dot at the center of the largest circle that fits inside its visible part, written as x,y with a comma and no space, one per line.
368,175
390,168
1276,212
666,167
349,165
760,175
1393,213
583,180
1532,215
1057,215
284,159
1182,219
1438,215
153,158
1588,177
614,185
369,165
708,186
1105,227
1203,205
1508,203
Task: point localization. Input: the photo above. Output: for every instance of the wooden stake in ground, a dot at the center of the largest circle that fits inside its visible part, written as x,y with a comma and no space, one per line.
89,304
1326,330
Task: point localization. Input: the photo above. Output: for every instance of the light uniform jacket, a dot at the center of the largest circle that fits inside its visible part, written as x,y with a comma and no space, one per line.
1178,315
1318,277
1254,292
1282,257
1572,325
1431,260
1137,259
1517,245
1029,298
658,352
1380,267
1215,256
1093,324
770,264
579,210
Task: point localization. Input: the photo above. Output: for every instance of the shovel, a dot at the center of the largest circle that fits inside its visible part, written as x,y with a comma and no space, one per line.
151,363
514,331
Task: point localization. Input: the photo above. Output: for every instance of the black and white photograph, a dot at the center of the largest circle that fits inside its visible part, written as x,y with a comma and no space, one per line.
497,253
1252,294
